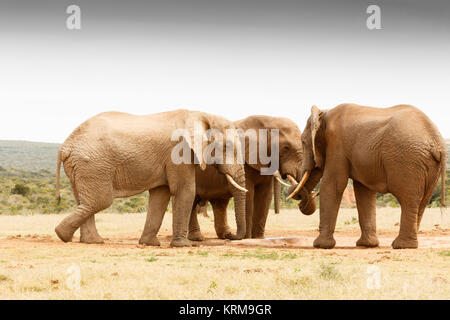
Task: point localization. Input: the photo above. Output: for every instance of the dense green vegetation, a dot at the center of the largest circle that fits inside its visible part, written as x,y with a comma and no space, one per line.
27,184
28,192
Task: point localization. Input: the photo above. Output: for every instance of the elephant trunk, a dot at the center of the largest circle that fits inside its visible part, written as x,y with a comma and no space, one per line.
314,179
276,195
239,208
307,204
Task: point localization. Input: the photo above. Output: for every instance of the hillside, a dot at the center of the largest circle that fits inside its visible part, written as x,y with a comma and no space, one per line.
31,156
27,183
36,156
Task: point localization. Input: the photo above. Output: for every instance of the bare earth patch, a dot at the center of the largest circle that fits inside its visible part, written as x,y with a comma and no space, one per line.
34,264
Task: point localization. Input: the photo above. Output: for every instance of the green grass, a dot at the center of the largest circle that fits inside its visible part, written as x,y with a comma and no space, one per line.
444,253
152,258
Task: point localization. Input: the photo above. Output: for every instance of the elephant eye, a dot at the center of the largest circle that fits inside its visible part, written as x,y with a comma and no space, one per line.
286,148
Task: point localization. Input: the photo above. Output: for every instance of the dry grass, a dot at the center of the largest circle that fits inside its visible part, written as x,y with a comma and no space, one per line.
34,264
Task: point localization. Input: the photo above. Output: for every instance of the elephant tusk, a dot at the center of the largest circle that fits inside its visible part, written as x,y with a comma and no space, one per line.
234,183
277,176
292,179
316,195
282,182
300,185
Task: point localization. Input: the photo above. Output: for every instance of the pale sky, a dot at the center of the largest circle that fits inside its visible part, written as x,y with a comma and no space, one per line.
234,59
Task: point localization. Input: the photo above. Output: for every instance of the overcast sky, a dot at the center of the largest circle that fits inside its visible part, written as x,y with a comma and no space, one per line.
233,58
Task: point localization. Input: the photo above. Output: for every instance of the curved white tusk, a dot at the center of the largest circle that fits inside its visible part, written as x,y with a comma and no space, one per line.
300,185
277,176
292,179
234,183
316,195
282,182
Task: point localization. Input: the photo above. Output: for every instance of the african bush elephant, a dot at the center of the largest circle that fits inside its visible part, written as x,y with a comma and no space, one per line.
212,187
396,150
116,155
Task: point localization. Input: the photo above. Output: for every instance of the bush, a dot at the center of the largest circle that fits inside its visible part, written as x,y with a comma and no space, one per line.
20,189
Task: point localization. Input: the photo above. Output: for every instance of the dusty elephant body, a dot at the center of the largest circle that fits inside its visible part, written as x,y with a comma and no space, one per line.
116,155
212,187
396,150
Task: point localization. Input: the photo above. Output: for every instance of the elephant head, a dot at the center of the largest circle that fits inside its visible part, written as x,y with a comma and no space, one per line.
221,149
313,144
290,152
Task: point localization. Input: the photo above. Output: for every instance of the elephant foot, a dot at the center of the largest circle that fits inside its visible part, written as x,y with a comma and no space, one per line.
231,236
150,241
195,236
65,233
91,238
368,241
224,233
324,243
258,236
400,243
183,242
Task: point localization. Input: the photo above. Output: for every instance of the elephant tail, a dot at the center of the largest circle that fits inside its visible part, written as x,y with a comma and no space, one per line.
58,177
443,176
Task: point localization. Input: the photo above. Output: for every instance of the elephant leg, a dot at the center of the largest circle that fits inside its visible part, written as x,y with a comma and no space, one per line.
194,227
88,230
366,205
219,206
70,224
426,198
261,206
93,197
89,233
249,209
407,237
413,198
182,208
331,190
157,204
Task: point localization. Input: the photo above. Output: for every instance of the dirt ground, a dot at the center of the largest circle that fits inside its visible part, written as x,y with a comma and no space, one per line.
284,265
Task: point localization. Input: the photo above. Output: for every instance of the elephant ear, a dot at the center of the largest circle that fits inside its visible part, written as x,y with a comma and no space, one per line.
197,127
318,135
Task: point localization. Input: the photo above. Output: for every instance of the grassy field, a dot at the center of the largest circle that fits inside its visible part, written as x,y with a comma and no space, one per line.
34,264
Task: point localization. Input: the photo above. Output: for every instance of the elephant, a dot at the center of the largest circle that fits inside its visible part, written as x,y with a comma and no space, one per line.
116,155
212,187
395,150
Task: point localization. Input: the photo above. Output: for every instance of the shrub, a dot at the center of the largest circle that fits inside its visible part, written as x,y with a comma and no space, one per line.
20,189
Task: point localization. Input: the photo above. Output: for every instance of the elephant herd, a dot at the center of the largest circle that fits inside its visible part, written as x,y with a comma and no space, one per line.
115,155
